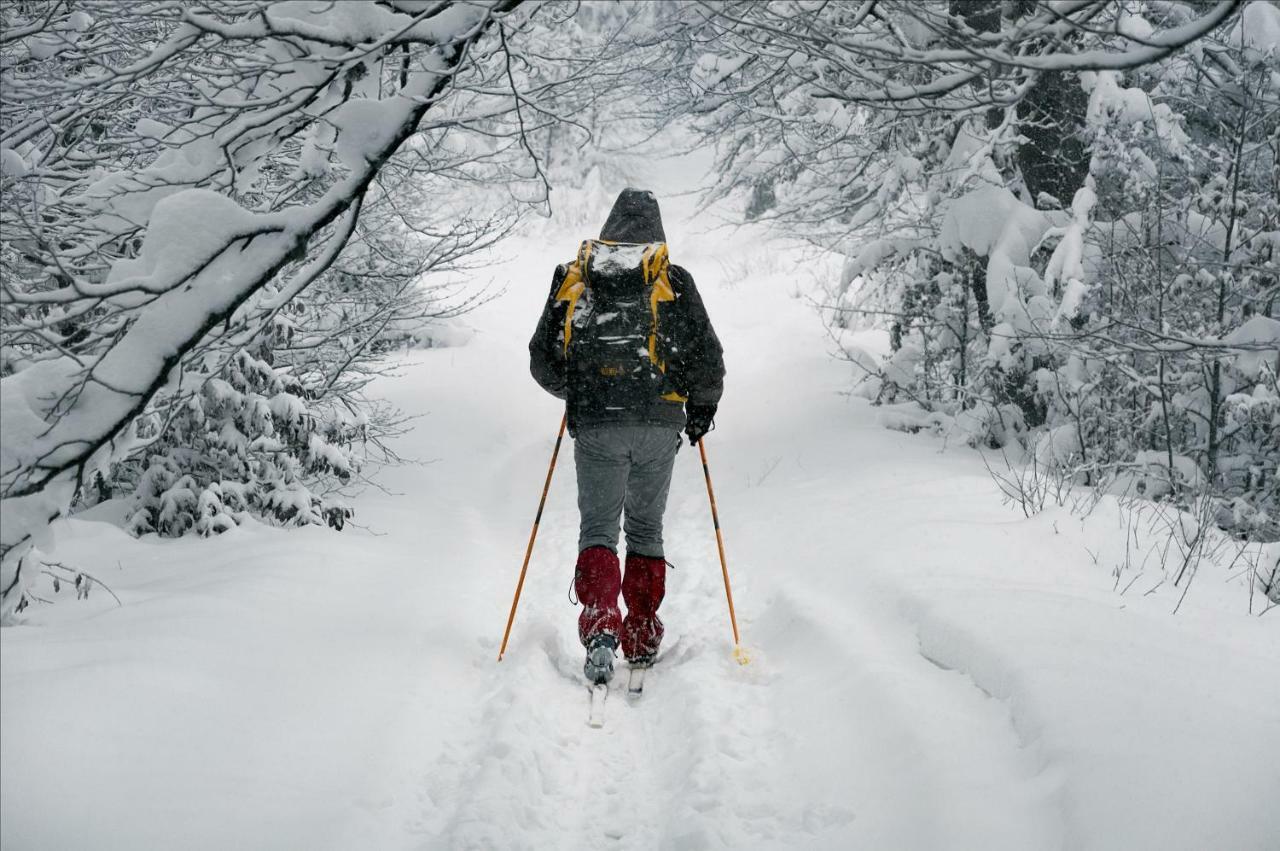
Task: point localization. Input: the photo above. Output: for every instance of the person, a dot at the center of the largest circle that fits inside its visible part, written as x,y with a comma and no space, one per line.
625,340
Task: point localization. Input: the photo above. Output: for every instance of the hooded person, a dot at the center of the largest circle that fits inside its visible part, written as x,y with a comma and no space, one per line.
625,341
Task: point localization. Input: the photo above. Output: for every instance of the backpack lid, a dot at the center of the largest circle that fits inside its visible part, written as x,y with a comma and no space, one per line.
621,262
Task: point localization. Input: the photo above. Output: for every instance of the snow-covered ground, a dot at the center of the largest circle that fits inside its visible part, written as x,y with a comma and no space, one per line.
929,669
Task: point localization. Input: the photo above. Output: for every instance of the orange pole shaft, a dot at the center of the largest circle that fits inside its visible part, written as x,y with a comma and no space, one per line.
715,518
533,534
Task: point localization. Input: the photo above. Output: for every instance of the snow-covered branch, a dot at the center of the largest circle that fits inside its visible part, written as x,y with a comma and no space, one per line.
164,164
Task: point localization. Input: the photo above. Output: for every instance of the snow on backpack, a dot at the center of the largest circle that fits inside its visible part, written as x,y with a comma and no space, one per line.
611,338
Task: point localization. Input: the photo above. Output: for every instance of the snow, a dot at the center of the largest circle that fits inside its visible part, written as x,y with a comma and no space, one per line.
1109,99
48,45
709,71
287,408
1073,295
12,163
314,159
1066,264
1259,27
80,21
1060,446
612,259
149,128
326,20
124,200
352,23
186,230
1134,27
1155,476
871,255
365,126
929,669
1260,336
991,222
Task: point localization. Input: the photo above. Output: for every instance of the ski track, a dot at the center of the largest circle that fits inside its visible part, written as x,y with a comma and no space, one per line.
705,759
658,774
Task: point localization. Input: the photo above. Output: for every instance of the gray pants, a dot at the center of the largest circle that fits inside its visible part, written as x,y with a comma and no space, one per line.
624,469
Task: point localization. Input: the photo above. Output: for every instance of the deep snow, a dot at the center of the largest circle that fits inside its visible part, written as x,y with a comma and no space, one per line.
929,669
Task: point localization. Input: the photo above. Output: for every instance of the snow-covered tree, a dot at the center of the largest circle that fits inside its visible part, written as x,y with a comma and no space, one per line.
1064,214
175,176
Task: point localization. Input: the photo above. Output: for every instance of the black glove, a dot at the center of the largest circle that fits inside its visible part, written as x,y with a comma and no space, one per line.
700,419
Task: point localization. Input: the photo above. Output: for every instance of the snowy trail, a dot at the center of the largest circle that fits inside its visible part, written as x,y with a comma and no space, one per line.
840,731
920,679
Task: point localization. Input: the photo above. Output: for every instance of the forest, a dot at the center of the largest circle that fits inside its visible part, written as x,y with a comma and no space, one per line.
996,464
218,216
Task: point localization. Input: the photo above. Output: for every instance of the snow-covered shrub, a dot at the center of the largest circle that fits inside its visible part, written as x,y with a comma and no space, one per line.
176,181
247,442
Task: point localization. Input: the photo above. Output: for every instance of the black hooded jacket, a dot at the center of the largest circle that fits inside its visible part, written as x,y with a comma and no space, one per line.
634,218
690,349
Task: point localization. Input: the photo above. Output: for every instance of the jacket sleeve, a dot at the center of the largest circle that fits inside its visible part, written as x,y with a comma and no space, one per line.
701,365
546,358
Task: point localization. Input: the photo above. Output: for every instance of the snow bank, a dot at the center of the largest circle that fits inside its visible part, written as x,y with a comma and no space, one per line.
1105,732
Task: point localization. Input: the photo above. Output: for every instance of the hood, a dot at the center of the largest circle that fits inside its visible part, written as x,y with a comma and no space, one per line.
634,218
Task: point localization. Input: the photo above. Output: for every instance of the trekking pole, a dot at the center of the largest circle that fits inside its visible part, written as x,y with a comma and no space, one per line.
738,653
532,535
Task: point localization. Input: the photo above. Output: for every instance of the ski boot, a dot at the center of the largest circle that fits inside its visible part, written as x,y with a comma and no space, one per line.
599,664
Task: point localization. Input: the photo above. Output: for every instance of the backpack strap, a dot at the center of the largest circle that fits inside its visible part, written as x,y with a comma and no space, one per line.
575,281
656,266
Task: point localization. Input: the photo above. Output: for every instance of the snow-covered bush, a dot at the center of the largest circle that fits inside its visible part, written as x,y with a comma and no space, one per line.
246,442
1072,239
176,181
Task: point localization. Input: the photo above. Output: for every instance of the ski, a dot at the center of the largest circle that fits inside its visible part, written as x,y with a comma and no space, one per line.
595,715
635,681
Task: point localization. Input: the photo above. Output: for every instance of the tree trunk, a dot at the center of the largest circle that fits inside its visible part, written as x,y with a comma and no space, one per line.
1054,160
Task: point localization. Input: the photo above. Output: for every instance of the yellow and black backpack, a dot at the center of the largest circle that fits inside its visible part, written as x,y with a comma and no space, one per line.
612,338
